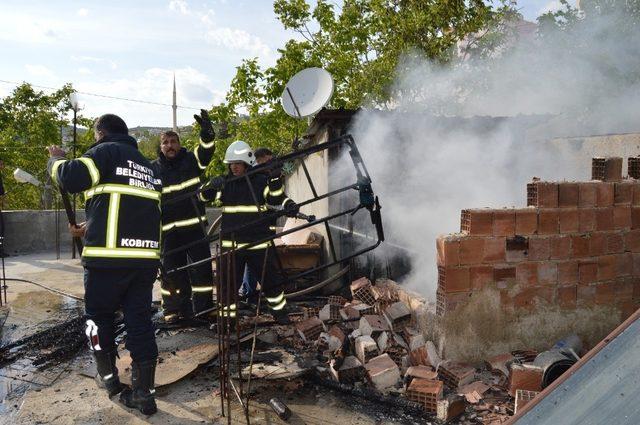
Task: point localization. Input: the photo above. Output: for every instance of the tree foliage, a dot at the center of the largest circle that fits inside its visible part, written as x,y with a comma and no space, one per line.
30,120
362,44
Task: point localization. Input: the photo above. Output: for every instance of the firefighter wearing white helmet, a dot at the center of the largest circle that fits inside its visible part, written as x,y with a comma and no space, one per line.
239,151
246,219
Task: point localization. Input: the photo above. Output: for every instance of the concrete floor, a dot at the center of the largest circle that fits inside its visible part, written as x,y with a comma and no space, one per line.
64,396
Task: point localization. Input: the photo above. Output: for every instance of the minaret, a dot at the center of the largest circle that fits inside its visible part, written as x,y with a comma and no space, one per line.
175,106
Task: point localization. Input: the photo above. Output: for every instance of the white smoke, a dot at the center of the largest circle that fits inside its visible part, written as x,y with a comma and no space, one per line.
426,168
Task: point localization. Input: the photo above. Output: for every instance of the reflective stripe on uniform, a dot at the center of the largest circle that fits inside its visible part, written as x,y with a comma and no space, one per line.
184,223
277,299
123,190
243,209
54,170
279,306
231,244
207,145
195,152
180,186
93,170
112,219
277,192
153,254
202,288
165,292
228,311
285,201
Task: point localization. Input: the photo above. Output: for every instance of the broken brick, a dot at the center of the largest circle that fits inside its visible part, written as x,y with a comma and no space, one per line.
349,372
523,397
517,248
398,315
422,372
474,392
366,348
383,372
425,392
500,363
361,290
525,377
372,325
310,329
456,375
450,408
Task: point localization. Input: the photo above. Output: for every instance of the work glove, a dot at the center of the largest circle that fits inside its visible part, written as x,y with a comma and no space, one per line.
291,209
206,128
217,183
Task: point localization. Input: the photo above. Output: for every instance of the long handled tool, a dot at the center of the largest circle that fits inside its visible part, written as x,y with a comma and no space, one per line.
71,216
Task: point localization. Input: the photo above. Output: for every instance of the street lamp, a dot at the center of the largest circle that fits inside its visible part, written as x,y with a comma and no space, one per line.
75,106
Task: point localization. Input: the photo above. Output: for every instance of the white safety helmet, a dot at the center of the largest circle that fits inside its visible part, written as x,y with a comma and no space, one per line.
239,151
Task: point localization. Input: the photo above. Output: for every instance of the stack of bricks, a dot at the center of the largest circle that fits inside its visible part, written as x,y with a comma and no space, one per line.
576,244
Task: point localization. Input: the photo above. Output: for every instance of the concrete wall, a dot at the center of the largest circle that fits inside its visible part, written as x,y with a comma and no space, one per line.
29,231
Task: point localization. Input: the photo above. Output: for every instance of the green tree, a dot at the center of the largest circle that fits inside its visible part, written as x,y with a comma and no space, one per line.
30,120
362,44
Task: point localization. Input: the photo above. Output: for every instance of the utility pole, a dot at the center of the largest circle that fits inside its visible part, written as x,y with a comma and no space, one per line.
175,106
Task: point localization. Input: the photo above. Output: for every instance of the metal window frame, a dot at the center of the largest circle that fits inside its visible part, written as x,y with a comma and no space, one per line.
363,182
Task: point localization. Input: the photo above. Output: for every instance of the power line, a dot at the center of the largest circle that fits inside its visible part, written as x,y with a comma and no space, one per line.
148,102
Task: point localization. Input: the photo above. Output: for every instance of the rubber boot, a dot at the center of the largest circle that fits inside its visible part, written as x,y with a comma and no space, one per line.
107,377
141,394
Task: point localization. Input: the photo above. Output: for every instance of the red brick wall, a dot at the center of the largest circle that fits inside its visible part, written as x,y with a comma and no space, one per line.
577,244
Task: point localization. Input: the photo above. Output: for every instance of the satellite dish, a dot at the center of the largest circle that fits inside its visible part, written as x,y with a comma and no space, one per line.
307,92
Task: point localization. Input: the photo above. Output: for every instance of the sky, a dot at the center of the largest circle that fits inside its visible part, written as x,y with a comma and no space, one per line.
131,49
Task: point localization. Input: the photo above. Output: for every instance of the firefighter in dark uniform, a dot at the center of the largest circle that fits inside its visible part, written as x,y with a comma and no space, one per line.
121,252
239,208
183,223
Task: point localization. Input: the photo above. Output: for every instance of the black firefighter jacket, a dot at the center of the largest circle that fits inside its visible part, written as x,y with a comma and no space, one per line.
180,176
122,202
244,221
